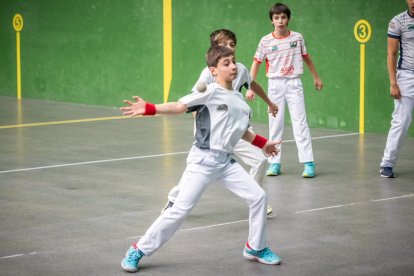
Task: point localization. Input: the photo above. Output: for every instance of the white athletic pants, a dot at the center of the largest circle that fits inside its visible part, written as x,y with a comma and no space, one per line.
401,118
253,157
290,91
204,167
248,155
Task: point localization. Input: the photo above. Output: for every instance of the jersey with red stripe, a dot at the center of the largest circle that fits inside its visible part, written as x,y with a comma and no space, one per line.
283,56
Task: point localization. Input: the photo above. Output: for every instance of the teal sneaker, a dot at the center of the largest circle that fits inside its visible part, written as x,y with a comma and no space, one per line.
274,169
309,170
132,257
265,256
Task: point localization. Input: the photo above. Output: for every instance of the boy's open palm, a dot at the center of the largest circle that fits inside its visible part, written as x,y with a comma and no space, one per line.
270,148
134,108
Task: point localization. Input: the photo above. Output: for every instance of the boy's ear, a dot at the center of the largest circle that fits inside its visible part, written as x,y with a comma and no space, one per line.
213,70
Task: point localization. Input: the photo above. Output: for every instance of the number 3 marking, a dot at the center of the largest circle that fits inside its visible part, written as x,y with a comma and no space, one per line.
362,31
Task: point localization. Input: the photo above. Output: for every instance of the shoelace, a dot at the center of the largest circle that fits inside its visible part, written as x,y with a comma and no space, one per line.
133,255
264,252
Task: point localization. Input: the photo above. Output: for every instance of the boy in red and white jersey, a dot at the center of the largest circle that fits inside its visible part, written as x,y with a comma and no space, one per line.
284,51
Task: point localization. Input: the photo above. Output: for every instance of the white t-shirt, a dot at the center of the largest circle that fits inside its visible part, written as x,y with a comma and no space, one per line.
222,117
402,27
243,78
283,56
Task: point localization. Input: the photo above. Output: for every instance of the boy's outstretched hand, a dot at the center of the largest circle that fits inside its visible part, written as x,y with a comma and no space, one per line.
134,108
270,148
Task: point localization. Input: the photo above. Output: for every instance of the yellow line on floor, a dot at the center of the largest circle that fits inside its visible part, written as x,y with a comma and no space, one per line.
65,122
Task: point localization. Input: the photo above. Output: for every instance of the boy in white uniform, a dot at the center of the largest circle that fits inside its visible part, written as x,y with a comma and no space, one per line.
400,36
284,52
222,119
243,151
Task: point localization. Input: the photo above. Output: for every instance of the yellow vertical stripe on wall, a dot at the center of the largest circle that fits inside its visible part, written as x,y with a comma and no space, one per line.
167,33
362,90
18,73
18,26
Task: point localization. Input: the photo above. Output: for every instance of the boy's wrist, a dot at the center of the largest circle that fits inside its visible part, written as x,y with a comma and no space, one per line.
259,141
150,109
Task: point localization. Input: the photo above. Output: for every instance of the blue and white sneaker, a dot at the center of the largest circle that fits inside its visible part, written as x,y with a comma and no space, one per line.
132,257
274,169
265,256
387,172
309,170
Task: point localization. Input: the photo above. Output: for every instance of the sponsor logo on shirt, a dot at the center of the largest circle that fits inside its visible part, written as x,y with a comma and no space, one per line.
274,48
287,70
293,44
222,107
411,27
391,25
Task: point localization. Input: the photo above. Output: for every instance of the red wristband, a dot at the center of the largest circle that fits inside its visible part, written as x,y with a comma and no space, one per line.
259,141
149,109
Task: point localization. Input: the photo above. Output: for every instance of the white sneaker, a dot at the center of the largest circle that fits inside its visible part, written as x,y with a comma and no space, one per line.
269,210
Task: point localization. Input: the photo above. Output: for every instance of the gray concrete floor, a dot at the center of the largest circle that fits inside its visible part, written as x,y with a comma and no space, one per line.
75,194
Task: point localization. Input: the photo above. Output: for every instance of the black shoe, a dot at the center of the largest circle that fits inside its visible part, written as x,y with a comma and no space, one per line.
387,172
168,205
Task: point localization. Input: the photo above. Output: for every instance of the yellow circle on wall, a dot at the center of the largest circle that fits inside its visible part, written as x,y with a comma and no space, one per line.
362,31
17,22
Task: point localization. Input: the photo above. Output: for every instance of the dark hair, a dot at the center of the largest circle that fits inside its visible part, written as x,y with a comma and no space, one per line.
215,53
279,8
221,35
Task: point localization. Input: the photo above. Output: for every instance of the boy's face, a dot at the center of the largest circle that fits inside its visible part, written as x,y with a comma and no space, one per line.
226,69
229,43
410,4
280,21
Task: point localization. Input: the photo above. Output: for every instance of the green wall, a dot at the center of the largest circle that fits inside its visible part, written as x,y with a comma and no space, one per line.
100,51
85,51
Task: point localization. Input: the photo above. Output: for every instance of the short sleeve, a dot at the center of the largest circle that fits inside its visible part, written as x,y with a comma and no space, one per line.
197,98
303,46
259,56
395,28
243,79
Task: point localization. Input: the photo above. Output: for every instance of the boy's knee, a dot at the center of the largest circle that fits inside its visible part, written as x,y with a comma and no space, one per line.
261,195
